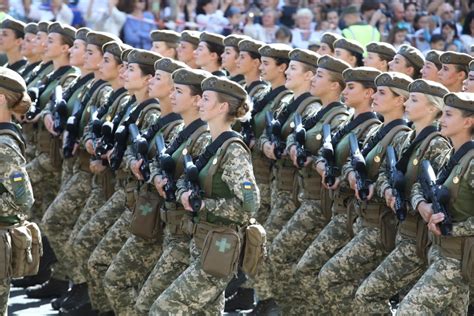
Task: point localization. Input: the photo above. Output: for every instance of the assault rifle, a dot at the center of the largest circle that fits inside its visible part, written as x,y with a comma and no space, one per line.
360,168
327,152
191,173
300,137
73,129
167,167
396,179
247,132
34,110
273,130
60,110
437,195
140,148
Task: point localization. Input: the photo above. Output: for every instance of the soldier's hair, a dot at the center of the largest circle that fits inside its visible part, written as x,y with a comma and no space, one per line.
147,70
369,85
400,92
195,89
237,108
218,49
281,61
17,102
69,41
254,55
360,59
416,70
307,67
337,77
173,46
465,113
18,34
462,68
437,102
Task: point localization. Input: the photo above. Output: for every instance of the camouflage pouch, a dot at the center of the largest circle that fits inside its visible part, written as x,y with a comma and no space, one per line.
326,203
130,194
26,249
55,147
388,229
255,242
220,253
146,222
422,239
467,263
5,254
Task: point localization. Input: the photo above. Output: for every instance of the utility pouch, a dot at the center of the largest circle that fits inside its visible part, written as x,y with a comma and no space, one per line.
130,194
220,253
467,262
388,229
5,254
422,239
146,222
255,251
26,249
55,152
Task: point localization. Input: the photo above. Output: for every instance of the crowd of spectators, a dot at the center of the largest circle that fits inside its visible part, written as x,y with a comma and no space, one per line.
438,24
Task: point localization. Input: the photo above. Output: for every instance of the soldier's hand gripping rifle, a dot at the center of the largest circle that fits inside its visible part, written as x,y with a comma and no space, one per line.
191,177
437,195
327,152
247,132
396,180
140,148
34,108
73,129
167,167
60,110
360,168
107,131
300,137
273,130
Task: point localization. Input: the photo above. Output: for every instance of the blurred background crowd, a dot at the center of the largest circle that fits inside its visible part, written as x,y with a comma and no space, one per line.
441,25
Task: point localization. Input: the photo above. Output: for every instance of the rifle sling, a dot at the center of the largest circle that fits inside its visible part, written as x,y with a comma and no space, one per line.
285,114
375,139
310,122
113,97
453,161
77,85
260,105
35,74
351,125
402,163
184,135
213,147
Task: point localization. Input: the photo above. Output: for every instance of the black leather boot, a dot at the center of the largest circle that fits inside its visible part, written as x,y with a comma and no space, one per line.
79,296
243,299
265,307
49,289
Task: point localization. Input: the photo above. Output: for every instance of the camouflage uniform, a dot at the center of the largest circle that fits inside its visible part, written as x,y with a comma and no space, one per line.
117,235
234,169
62,213
283,204
16,198
443,288
175,256
337,279
404,265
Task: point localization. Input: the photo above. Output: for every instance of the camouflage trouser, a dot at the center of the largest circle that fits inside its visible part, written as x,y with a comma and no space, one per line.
261,214
128,272
95,200
441,290
399,270
340,277
193,292
45,181
174,261
102,257
94,230
332,238
61,215
4,294
288,247
282,208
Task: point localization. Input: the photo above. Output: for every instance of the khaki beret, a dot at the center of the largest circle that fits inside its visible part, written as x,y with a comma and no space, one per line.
304,56
455,58
100,38
471,66
428,87
382,48
250,45
314,44
361,74
275,51
412,54
433,56
43,26
15,25
67,31
168,65
11,80
393,80
225,86
190,77
350,45
165,36
114,48
332,64
127,49
143,57
190,37
460,100
81,34
233,40
31,28
212,38
329,39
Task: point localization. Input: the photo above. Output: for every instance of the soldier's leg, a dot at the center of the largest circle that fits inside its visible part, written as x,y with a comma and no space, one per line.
340,277
442,289
263,211
102,257
4,294
128,271
400,269
174,261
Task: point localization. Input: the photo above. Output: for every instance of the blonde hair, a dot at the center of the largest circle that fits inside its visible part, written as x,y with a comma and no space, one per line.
400,92
18,102
436,102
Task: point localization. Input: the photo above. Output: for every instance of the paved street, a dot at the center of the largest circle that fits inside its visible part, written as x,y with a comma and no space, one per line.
19,305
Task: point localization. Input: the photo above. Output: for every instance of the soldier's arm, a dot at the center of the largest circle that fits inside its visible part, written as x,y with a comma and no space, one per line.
466,228
238,175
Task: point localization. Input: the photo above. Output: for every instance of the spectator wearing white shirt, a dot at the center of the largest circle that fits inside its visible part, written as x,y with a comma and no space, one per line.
266,31
209,18
56,11
304,31
103,15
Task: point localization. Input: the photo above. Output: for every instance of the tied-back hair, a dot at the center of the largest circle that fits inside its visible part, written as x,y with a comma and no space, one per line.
238,109
17,102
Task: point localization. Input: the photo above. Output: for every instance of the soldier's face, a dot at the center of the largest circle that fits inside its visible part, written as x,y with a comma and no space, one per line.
182,100
209,107
202,54
185,52
384,100
345,55
269,69
453,122
93,58
28,45
450,76
161,85
246,64
324,49
163,49
8,40
429,71
294,75
355,94
40,43
399,64
77,53
109,68
55,46
417,107
229,58
468,84
374,60
320,83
